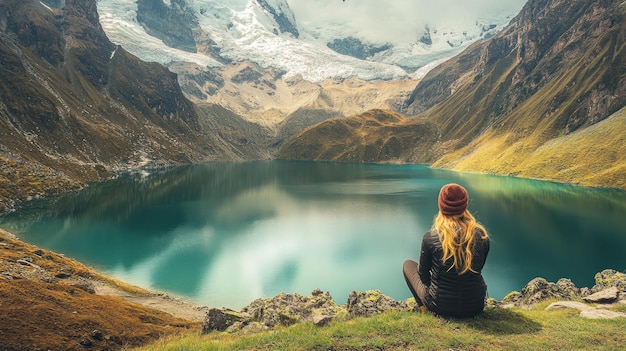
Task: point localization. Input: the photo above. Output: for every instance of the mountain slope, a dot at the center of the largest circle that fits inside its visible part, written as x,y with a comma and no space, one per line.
74,107
550,83
372,136
557,68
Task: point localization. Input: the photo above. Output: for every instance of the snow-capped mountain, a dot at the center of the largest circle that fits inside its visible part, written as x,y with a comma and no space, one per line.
210,33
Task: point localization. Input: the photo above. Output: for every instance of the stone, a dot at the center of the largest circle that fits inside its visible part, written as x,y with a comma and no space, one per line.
38,252
568,304
85,285
601,313
322,320
287,309
85,342
512,297
587,311
609,295
28,263
539,289
97,334
566,289
220,319
371,302
64,272
609,278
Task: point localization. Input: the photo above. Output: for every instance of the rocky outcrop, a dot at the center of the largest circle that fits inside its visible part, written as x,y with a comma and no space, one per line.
610,288
288,309
320,308
174,24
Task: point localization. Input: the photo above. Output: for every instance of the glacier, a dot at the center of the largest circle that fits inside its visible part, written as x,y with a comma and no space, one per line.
246,30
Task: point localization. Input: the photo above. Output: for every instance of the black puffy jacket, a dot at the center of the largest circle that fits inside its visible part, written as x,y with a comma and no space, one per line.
449,293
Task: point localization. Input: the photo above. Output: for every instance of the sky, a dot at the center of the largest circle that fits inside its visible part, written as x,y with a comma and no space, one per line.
398,20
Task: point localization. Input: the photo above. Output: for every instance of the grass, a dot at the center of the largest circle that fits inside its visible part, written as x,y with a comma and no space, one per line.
495,329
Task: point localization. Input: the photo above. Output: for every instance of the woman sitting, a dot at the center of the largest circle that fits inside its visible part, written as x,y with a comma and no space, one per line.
448,280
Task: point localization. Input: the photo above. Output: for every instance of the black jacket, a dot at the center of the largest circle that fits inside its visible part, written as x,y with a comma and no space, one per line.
449,293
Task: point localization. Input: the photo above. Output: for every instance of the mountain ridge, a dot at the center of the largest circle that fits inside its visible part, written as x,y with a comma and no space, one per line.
76,108
499,101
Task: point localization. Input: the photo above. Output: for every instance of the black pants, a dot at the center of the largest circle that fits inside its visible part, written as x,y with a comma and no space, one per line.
417,287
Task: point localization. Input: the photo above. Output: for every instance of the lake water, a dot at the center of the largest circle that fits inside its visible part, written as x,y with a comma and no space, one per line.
224,234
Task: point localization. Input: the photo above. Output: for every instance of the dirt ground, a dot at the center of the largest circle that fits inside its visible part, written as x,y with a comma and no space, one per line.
50,302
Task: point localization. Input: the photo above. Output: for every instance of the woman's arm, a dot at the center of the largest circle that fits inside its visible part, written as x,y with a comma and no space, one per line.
426,260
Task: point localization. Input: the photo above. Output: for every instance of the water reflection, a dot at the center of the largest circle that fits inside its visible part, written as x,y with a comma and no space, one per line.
225,234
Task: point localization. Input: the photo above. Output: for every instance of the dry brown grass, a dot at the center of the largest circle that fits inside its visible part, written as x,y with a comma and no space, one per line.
44,312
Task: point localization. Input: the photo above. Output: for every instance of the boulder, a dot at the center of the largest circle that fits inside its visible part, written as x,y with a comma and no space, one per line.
280,310
568,304
371,302
539,289
287,309
220,319
586,311
609,278
609,295
600,313
322,320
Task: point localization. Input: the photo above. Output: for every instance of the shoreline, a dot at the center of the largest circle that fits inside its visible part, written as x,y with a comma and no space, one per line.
67,271
10,204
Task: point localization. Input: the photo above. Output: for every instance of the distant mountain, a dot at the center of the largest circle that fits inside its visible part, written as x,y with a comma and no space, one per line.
551,82
205,41
268,33
75,107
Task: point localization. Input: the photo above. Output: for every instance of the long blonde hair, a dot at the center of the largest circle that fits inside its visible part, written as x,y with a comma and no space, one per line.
457,234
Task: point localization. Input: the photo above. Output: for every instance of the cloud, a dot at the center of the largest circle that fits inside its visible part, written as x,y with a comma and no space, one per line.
395,21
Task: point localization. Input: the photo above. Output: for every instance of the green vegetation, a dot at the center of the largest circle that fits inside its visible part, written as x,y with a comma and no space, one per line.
495,329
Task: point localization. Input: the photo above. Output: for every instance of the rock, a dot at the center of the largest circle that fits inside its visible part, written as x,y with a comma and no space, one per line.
322,320
113,338
97,334
609,278
609,295
220,319
85,342
27,263
512,297
539,289
567,289
38,252
64,272
287,309
371,302
86,286
568,304
587,311
601,313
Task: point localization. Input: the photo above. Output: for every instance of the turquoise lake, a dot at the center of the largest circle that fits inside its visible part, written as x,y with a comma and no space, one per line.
224,234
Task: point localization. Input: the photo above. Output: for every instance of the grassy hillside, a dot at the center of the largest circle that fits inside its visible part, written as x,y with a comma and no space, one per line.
372,136
49,302
592,156
495,329
538,100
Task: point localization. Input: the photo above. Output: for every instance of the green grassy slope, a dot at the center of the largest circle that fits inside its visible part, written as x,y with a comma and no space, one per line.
495,329
372,136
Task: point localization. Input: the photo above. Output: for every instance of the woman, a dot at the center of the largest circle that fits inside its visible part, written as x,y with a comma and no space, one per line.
448,279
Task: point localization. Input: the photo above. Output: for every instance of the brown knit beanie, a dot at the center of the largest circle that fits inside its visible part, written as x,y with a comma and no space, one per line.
452,199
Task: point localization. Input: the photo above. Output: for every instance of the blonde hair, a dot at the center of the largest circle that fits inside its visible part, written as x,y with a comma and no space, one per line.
457,234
